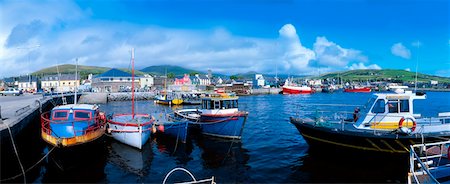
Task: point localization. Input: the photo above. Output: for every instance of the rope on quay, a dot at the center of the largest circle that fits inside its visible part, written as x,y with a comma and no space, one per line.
20,163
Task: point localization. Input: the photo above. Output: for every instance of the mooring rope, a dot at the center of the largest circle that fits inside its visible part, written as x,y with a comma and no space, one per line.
37,163
17,154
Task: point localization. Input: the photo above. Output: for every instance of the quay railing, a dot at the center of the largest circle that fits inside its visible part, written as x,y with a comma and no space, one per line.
423,163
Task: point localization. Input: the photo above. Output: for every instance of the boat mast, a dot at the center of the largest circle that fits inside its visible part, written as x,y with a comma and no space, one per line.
76,79
132,83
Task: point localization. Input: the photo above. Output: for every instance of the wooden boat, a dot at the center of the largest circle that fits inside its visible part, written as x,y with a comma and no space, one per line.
429,163
291,88
219,116
131,129
386,125
73,124
172,126
358,90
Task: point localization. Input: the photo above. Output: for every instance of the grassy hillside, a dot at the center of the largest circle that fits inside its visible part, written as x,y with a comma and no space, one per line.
161,70
385,74
83,70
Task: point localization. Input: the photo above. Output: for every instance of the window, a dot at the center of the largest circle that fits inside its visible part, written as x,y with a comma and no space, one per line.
60,115
393,106
379,106
69,83
82,115
404,106
216,104
120,79
64,83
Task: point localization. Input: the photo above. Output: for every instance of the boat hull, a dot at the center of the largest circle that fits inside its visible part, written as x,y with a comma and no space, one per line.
321,138
126,129
358,90
225,126
135,136
296,90
174,129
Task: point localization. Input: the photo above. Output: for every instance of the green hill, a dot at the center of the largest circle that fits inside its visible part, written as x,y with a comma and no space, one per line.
384,75
176,70
83,70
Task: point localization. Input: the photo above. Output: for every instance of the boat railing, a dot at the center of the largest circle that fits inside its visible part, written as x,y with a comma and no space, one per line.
94,124
429,157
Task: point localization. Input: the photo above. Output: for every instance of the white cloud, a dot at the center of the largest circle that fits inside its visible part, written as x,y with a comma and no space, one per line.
400,50
67,32
295,54
408,69
357,66
331,54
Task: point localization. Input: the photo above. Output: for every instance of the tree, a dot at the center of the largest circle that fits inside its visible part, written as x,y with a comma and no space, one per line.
193,73
170,75
233,77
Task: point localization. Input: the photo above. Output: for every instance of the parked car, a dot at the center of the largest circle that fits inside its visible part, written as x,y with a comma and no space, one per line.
11,91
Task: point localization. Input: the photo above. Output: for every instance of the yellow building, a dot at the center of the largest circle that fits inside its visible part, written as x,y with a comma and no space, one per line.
60,83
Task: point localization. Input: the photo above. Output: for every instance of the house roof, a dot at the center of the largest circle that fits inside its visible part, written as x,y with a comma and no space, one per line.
57,77
27,78
114,73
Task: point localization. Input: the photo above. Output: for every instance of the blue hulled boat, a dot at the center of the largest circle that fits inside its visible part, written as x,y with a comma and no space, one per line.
219,116
172,126
73,124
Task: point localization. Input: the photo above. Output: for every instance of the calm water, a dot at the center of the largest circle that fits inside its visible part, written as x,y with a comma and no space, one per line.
271,150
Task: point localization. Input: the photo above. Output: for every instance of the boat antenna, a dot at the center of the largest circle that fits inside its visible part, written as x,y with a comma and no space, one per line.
76,79
417,65
132,83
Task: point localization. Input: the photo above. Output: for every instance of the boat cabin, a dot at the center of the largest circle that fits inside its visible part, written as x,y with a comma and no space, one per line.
219,104
72,120
389,111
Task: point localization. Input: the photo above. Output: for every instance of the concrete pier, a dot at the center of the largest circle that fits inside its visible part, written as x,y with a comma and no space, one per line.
18,111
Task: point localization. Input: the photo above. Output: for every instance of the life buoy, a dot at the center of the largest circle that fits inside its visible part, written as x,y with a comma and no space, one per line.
400,123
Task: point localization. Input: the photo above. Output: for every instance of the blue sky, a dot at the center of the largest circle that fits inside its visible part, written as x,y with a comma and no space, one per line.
295,37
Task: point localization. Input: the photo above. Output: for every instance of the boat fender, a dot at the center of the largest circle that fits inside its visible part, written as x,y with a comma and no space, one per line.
400,123
161,128
153,129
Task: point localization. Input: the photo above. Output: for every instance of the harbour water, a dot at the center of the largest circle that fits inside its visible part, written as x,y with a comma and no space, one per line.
271,149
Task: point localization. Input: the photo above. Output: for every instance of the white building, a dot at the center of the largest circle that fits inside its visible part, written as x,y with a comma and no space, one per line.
147,81
28,83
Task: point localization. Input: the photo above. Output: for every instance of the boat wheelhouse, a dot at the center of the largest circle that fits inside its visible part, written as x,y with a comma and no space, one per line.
387,124
74,124
218,116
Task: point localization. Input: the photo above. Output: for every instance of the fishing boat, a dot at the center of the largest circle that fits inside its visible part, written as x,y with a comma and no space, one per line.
72,124
387,124
131,129
165,100
218,116
429,163
173,126
291,88
357,89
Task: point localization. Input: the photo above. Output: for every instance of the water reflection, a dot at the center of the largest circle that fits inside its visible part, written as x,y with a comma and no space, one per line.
226,158
174,148
130,159
331,167
84,163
